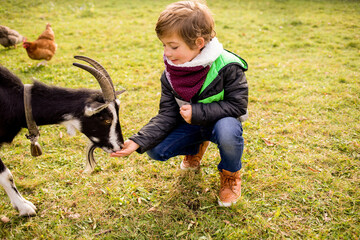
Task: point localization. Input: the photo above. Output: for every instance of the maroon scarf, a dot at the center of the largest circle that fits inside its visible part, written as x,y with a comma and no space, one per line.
186,81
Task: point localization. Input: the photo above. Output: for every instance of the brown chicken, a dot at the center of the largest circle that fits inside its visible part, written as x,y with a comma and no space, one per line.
9,37
42,48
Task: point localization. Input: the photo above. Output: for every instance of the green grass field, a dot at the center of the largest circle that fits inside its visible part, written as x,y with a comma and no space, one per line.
302,156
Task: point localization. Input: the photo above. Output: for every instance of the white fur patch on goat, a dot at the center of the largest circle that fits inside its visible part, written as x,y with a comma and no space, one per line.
71,125
88,111
113,138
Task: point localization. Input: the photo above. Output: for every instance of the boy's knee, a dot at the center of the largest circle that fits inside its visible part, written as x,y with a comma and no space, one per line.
228,128
156,155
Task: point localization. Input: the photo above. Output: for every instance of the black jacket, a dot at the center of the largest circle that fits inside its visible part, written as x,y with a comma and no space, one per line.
231,79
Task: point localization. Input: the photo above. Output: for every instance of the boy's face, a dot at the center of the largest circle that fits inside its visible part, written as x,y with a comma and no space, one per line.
177,51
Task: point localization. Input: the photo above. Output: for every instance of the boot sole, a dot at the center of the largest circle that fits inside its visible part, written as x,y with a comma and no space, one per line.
182,167
224,204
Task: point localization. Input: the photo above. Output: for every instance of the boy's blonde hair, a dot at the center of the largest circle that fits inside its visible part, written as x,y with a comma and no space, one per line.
188,19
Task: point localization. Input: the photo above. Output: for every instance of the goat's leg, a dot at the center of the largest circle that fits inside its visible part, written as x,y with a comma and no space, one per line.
24,207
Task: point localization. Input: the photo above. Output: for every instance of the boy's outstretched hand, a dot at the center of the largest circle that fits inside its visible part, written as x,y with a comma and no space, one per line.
129,147
186,112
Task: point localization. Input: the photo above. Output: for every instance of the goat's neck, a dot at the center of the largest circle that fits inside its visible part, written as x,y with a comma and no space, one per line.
53,105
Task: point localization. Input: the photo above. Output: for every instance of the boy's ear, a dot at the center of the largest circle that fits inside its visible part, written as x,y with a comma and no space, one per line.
200,42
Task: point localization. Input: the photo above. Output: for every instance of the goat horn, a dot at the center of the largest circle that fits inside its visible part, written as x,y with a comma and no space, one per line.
106,87
97,66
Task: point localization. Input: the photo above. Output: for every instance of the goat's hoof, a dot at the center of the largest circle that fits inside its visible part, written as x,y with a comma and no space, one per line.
88,170
27,209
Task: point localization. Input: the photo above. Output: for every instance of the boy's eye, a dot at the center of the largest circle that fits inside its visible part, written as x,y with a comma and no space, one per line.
174,48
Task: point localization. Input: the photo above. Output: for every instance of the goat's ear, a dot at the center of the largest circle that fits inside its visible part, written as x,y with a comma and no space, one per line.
119,92
94,108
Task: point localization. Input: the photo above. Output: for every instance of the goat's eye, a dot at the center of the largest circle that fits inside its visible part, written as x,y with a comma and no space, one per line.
107,121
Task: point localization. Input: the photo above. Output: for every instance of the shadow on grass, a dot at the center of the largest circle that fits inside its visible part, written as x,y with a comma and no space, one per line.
191,190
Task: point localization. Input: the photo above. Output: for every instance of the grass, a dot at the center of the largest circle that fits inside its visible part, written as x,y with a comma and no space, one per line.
302,155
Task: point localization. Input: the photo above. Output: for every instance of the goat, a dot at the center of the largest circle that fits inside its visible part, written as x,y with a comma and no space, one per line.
92,112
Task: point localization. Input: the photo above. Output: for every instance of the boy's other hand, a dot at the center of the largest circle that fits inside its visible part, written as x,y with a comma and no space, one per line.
129,147
186,112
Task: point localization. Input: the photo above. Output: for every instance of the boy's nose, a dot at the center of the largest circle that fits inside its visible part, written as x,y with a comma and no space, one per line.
167,53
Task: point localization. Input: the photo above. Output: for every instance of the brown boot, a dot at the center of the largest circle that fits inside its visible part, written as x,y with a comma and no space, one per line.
192,162
230,188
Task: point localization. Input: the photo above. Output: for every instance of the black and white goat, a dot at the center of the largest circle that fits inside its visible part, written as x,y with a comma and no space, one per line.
92,112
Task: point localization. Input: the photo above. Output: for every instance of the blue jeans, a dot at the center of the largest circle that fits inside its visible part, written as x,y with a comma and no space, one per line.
186,139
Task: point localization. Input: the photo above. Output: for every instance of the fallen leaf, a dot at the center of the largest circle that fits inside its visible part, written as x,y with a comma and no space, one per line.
326,218
228,223
268,143
74,216
5,219
206,190
181,233
190,225
103,232
152,209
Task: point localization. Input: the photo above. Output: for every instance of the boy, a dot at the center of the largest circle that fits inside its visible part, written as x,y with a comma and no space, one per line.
204,94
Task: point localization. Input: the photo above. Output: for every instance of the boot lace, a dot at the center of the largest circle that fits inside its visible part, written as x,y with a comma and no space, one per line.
228,181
